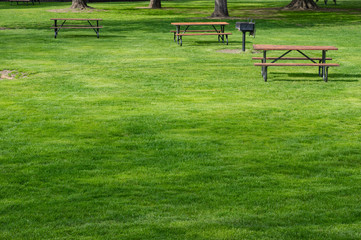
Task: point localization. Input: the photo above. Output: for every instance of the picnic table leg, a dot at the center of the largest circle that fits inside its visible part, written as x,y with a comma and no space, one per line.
98,29
264,60
323,61
222,30
55,29
265,74
264,69
325,75
218,31
178,31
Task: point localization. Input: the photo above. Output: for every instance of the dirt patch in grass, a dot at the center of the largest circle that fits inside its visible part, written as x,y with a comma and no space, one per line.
235,51
4,28
11,74
230,51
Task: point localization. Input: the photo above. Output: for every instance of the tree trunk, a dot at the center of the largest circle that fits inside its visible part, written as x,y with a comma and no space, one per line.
302,5
220,9
79,4
155,4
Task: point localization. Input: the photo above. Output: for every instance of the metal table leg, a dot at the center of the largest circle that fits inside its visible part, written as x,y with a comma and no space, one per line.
263,60
55,29
265,74
178,31
98,29
323,61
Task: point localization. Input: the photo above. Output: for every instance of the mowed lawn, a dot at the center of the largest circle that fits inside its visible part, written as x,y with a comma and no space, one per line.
131,136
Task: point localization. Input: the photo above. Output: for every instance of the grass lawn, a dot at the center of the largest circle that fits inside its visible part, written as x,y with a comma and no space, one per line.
131,136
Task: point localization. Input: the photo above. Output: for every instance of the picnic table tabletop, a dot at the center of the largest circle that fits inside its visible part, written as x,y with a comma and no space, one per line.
291,47
80,19
199,23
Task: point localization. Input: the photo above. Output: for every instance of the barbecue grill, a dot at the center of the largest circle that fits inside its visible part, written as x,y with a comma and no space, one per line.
245,27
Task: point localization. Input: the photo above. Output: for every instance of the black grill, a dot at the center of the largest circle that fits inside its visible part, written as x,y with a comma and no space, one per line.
244,27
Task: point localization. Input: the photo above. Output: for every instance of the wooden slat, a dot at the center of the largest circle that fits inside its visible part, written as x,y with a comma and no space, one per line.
197,31
198,34
291,47
78,19
199,23
75,27
290,58
298,64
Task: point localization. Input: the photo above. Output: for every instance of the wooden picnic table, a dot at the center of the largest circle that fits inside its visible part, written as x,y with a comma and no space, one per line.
94,26
322,65
186,25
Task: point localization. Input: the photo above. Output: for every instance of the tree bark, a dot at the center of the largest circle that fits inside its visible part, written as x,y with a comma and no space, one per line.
302,5
220,9
155,4
79,4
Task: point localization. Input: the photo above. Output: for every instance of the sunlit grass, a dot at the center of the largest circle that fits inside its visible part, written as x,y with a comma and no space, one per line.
131,136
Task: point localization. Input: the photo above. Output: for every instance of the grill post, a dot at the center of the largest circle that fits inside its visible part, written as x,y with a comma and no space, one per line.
243,41
245,27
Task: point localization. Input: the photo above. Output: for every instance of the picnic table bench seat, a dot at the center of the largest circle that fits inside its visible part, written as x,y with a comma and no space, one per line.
76,27
180,35
299,64
291,58
175,32
200,32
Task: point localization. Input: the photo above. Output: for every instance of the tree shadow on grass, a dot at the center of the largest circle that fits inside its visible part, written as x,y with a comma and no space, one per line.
310,77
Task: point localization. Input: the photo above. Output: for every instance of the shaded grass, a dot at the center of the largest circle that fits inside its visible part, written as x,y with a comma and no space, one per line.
132,137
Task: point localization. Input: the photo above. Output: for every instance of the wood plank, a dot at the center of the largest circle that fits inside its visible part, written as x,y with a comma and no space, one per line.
199,34
291,47
290,58
197,31
298,64
78,19
75,27
199,23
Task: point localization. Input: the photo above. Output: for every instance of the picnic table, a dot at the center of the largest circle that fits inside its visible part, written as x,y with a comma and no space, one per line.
94,26
178,33
321,64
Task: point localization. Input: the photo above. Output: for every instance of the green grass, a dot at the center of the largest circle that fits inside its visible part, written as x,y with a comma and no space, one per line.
130,136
